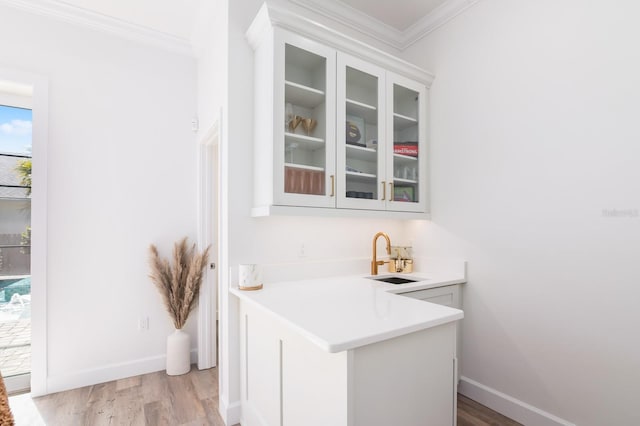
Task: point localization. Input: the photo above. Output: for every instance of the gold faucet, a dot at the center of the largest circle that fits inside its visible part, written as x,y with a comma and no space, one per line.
375,262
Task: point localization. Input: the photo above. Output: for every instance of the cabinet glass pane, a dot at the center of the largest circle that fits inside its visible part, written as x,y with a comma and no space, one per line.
405,144
361,135
305,122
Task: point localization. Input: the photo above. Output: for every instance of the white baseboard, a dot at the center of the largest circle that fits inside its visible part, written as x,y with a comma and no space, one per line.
229,411
511,407
17,384
107,373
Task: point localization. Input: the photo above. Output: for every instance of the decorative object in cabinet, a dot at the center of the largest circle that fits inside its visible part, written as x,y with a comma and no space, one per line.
404,193
355,131
304,180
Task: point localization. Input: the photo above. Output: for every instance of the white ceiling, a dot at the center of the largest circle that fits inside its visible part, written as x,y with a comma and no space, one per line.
400,14
170,23
177,17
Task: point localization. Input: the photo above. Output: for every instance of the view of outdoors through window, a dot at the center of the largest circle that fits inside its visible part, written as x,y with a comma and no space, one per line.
15,240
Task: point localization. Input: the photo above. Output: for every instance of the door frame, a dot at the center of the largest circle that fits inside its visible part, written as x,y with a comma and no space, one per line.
40,142
208,180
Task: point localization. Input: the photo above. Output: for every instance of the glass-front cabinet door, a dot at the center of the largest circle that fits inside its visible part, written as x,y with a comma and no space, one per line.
304,123
406,150
360,131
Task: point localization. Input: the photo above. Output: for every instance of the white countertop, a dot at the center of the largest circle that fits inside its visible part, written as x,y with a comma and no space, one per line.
342,313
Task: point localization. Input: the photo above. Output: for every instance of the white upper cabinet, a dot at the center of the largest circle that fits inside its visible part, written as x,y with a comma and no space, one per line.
340,128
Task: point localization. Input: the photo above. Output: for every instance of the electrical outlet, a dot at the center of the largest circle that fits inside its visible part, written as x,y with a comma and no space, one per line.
143,323
302,252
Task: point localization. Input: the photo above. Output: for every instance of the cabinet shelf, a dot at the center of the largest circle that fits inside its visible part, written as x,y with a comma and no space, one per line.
362,177
402,160
304,166
361,153
368,112
405,181
305,142
302,95
401,122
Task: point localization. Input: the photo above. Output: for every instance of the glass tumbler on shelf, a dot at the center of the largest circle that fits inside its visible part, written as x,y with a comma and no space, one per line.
413,173
405,172
290,148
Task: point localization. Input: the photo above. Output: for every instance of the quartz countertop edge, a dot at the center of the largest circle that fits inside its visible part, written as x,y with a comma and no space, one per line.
343,313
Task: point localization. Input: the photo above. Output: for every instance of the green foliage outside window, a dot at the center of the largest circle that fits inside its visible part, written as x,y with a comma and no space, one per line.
24,170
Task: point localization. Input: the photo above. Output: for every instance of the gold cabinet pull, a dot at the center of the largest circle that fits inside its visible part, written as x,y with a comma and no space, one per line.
384,191
390,191
333,186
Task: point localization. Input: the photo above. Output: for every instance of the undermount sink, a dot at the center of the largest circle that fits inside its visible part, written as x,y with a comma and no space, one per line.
394,280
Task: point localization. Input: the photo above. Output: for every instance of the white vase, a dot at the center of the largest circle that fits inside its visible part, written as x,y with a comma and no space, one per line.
178,353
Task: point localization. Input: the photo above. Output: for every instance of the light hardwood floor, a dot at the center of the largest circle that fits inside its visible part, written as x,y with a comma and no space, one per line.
157,399
470,413
152,399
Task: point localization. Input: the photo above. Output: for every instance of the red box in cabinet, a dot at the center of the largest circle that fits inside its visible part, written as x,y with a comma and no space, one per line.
406,148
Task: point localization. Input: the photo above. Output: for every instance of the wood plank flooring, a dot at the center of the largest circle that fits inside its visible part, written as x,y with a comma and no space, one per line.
159,400
152,399
470,413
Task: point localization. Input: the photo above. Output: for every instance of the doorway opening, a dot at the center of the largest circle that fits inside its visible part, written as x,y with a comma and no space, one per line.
208,233
15,239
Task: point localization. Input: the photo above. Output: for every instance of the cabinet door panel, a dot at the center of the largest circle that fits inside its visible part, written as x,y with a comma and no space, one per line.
360,128
304,114
260,372
407,147
314,384
447,296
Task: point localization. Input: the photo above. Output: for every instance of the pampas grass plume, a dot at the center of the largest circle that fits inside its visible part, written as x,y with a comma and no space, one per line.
178,280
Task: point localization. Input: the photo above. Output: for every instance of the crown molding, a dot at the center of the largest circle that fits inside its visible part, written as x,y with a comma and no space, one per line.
276,15
75,15
378,30
355,19
438,17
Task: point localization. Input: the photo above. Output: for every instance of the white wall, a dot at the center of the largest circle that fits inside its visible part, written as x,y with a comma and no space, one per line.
210,41
271,239
535,132
121,175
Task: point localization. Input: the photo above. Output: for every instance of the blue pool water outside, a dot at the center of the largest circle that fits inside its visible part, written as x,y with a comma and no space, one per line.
15,325
11,286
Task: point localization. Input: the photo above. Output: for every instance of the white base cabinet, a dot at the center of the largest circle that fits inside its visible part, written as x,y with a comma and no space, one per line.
288,380
447,296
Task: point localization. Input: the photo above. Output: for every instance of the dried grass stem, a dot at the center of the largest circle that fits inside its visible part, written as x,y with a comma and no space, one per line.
178,281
